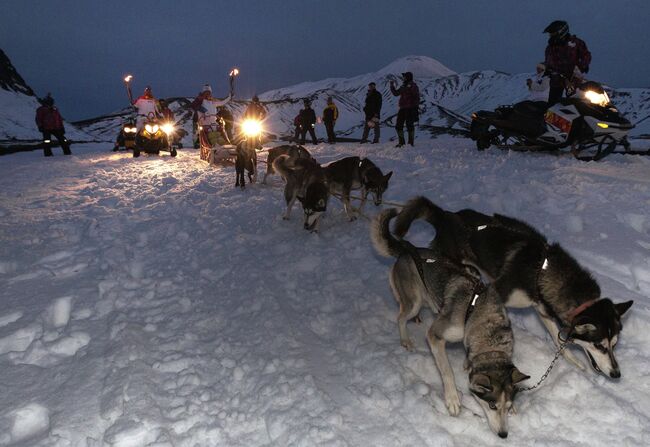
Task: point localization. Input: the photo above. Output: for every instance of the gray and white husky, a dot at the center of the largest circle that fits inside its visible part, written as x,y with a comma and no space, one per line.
527,271
465,311
305,181
346,174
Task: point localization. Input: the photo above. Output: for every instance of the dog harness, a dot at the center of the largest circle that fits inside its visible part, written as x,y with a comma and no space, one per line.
478,289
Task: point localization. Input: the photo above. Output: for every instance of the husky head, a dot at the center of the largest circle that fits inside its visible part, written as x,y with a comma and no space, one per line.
495,390
314,204
377,184
596,330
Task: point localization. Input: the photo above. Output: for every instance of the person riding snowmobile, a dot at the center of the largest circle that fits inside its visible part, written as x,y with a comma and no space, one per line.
567,59
145,106
255,110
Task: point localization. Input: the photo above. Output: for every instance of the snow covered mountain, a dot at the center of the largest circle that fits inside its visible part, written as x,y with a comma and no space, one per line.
448,99
18,105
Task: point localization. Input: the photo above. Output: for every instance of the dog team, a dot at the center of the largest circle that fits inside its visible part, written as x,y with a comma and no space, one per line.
475,268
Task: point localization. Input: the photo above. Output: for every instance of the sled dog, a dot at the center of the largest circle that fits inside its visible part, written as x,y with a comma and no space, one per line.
305,181
528,271
465,311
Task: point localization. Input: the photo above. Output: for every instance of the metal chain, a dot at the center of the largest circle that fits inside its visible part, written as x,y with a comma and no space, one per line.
560,349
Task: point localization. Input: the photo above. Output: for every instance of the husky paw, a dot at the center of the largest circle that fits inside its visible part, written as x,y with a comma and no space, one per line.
408,345
452,401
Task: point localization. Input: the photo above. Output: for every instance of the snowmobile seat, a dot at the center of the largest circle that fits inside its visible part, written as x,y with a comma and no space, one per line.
531,109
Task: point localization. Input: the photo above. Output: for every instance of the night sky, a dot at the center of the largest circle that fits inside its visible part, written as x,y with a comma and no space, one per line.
80,49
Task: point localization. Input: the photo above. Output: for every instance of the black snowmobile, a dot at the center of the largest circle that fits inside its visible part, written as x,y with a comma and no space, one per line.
586,122
126,138
155,136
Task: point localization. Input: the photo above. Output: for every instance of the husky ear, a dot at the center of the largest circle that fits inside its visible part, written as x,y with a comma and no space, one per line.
517,376
584,328
621,308
480,383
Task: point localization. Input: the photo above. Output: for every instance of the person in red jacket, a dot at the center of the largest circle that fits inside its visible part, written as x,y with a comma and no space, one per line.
49,122
409,101
567,59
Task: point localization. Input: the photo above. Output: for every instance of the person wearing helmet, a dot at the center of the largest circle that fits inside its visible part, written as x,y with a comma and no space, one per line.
330,115
50,122
307,122
145,106
409,101
210,124
567,59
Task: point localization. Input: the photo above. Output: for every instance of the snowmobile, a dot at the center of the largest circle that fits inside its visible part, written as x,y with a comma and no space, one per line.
126,138
586,122
155,136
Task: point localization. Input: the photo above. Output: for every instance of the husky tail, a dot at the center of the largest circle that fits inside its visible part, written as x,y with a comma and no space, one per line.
417,208
383,240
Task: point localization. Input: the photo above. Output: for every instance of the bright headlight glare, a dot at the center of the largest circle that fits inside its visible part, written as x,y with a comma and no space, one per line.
251,128
168,128
149,128
130,129
600,99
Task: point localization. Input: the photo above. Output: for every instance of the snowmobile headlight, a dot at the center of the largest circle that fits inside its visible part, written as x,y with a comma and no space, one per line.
151,128
168,128
130,129
251,128
600,99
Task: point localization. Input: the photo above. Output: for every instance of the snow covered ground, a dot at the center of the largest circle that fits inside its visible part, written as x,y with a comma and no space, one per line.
146,302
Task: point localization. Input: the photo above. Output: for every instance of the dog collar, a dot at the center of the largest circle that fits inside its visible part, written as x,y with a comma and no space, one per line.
572,314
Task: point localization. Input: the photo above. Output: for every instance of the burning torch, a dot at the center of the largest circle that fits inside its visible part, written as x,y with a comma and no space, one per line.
233,73
127,81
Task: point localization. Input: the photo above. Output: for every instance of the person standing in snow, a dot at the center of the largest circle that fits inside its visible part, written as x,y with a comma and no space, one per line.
567,59
538,87
211,126
146,105
330,115
298,128
307,123
50,122
372,109
409,101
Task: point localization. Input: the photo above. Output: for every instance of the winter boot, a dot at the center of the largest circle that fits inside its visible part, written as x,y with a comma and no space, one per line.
400,137
412,137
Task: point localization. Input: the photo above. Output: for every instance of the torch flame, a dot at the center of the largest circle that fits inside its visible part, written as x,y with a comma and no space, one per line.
128,78
234,72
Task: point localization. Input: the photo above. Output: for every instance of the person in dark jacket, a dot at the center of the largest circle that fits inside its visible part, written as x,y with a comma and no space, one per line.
298,128
255,110
372,110
567,59
50,122
409,101
330,115
307,123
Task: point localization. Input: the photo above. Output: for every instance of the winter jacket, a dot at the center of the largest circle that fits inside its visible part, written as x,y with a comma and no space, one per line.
49,118
409,95
146,105
297,120
330,113
373,104
255,110
307,117
562,57
207,108
539,88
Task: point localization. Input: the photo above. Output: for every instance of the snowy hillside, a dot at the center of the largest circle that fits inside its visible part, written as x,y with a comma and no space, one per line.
18,105
448,99
146,302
